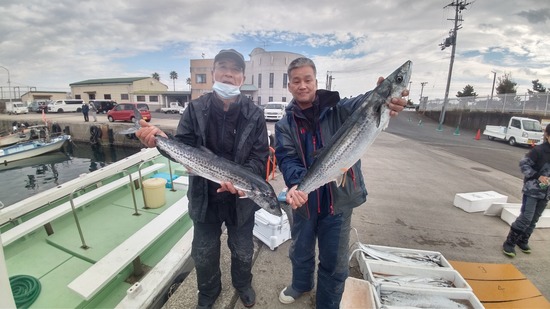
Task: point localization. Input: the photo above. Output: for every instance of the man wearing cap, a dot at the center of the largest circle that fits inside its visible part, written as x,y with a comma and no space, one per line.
231,126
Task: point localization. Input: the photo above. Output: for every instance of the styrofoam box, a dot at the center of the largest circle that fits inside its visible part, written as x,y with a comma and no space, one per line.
270,229
373,267
453,294
181,183
363,259
478,201
510,214
358,294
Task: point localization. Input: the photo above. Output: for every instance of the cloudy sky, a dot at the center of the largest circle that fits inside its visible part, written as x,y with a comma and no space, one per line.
50,44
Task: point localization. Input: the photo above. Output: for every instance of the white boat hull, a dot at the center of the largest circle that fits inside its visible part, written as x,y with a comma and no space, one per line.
31,149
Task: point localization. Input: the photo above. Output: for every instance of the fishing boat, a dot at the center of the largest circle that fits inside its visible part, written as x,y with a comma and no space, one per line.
14,138
107,239
33,148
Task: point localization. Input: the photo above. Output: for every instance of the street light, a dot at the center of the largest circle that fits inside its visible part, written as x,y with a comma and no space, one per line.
494,78
9,82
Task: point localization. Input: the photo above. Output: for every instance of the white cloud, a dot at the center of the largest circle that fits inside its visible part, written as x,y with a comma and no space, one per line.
49,45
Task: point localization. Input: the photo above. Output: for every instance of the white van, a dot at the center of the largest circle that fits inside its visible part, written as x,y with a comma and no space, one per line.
60,106
274,110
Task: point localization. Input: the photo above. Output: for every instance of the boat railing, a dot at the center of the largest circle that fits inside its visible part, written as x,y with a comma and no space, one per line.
44,200
45,218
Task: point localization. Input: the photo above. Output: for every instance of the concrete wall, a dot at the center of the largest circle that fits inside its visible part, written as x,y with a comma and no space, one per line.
477,120
80,132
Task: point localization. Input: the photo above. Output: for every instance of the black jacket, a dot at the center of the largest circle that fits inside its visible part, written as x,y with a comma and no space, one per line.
251,150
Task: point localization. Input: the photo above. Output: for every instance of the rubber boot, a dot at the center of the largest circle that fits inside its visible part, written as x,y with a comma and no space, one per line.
508,247
523,243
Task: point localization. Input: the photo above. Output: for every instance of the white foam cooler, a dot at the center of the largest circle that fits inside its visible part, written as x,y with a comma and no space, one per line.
478,201
510,214
270,229
181,183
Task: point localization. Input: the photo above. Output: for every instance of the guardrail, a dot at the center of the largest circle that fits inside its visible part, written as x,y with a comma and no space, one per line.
531,103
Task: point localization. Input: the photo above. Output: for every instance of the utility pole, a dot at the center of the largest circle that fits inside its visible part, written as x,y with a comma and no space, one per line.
9,82
451,40
494,79
328,85
422,90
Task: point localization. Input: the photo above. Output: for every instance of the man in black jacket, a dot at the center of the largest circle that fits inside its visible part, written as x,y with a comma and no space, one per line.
232,127
535,167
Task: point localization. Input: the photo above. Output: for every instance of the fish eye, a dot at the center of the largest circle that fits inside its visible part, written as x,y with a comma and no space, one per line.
399,78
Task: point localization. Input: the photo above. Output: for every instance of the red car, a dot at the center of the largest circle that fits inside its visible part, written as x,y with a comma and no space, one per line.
125,112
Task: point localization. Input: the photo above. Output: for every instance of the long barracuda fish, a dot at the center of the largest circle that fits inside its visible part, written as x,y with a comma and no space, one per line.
358,132
202,162
206,164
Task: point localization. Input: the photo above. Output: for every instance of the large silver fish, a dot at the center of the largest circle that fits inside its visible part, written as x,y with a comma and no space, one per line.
358,132
204,163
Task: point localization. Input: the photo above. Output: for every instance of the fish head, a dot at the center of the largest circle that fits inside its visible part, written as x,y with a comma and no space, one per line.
266,198
393,85
398,81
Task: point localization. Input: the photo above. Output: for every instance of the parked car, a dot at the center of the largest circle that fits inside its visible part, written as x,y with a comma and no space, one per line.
274,110
125,112
38,105
103,106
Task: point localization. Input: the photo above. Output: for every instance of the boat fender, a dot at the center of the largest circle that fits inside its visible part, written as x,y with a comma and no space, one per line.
95,134
111,134
56,128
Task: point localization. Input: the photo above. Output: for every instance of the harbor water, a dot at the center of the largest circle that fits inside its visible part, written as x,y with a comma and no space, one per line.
25,178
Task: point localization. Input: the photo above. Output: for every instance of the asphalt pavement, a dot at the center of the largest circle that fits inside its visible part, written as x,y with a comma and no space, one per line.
411,185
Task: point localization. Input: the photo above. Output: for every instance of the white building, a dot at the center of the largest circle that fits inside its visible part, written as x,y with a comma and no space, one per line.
266,76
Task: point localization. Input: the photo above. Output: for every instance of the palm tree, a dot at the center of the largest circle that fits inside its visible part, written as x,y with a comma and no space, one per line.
156,76
188,82
173,77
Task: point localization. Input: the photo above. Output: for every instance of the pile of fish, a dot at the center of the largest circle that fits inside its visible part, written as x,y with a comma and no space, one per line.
405,258
398,299
414,281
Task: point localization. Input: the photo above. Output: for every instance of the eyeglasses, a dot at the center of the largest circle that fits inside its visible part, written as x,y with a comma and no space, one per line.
225,69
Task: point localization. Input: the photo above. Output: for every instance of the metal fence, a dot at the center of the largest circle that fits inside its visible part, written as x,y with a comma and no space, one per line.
534,103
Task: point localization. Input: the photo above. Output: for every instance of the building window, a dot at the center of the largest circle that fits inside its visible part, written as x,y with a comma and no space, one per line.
260,80
153,98
259,100
140,98
285,81
283,99
124,96
270,99
271,78
77,96
252,79
200,78
107,96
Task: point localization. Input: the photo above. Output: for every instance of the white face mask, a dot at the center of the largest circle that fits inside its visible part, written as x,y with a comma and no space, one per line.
226,91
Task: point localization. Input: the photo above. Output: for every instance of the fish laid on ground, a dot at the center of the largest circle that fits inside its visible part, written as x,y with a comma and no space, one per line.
201,162
357,133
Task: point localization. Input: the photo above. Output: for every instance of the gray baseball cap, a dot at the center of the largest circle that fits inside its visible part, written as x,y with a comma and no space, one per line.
231,54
